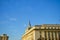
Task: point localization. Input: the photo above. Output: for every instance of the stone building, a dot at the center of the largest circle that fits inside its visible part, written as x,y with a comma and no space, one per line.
42,32
4,37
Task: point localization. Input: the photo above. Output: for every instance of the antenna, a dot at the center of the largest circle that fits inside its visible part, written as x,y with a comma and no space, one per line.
29,25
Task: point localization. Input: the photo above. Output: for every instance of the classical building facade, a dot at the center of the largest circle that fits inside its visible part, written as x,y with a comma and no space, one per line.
4,37
42,32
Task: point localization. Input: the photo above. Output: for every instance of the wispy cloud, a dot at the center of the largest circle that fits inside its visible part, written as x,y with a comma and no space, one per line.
12,19
8,20
3,22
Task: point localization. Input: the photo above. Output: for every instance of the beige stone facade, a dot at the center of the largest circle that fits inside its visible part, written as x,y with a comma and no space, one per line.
4,37
43,32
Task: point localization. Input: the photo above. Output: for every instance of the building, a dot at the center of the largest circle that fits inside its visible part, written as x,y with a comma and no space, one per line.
42,32
4,37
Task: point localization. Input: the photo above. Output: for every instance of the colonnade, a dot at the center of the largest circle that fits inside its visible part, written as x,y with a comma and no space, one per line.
49,35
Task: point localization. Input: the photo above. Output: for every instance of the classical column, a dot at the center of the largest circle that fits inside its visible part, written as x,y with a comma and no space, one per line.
57,35
47,35
50,35
43,35
40,36
54,36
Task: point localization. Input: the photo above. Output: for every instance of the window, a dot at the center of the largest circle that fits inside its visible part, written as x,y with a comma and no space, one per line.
49,27
53,27
56,27
46,27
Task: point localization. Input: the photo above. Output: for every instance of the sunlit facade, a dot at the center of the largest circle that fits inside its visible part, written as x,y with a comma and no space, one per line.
4,37
42,32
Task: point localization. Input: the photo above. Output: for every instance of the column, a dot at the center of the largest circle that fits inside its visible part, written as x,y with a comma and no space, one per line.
43,35
40,36
50,35
54,35
47,35
57,35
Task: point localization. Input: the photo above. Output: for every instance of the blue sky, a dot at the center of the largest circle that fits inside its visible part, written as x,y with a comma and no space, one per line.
15,14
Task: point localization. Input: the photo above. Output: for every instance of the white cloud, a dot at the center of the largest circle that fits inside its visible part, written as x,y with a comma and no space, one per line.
12,19
7,20
3,22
